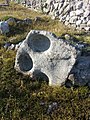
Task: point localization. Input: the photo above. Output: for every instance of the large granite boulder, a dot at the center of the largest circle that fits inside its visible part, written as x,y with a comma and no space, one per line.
42,54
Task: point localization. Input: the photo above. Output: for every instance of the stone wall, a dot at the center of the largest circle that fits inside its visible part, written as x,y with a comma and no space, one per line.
75,13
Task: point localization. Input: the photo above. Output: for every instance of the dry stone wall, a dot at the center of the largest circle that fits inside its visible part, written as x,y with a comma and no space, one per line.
75,13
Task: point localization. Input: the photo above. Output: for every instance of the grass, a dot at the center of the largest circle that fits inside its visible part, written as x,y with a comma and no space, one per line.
20,96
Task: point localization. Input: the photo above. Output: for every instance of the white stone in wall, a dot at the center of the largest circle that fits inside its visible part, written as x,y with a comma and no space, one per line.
64,9
73,25
73,19
82,26
83,18
56,6
45,10
88,7
84,21
60,5
72,13
65,4
57,1
88,23
62,1
67,18
51,8
79,4
56,14
86,13
71,4
67,9
49,2
87,28
78,22
79,12
88,18
66,23
85,5
61,11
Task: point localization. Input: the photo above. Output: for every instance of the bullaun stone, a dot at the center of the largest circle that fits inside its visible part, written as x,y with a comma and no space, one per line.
42,54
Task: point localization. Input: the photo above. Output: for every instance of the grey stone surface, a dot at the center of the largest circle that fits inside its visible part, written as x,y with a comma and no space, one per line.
43,54
81,71
4,28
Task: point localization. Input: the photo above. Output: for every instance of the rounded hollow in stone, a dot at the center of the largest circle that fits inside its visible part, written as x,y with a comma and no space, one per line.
38,43
25,62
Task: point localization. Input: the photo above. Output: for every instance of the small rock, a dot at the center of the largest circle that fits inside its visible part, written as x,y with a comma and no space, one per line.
52,107
28,21
67,37
8,44
71,77
17,46
12,47
4,28
80,46
42,103
37,19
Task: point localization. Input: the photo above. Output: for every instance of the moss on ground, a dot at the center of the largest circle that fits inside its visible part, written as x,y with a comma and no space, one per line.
20,96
